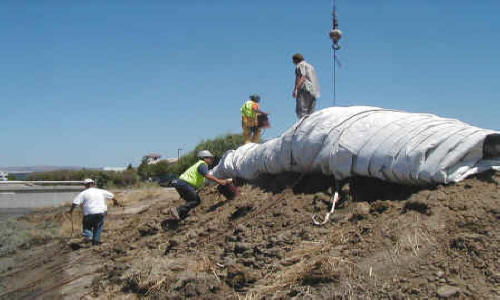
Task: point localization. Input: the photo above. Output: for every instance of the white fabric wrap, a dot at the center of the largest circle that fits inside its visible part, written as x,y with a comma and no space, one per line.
401,147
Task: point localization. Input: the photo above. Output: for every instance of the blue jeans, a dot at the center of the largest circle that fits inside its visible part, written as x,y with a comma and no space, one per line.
92,227
188,193
87,233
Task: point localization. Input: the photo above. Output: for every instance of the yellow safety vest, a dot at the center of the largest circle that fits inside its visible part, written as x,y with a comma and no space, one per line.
192,176
247,110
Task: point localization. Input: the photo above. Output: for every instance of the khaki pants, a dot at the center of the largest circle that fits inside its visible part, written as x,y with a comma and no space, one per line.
251,134
306,104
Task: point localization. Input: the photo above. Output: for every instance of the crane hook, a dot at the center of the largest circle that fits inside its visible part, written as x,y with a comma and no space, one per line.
335,33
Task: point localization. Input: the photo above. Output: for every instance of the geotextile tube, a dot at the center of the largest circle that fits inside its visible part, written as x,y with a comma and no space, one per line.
394,146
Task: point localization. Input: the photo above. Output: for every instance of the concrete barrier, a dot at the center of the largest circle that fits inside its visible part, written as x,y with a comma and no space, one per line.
30,196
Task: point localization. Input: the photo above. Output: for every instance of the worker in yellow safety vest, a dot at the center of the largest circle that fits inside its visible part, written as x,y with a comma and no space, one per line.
190,181
249,120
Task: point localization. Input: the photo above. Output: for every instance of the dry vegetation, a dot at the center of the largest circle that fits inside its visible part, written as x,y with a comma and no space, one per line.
439,241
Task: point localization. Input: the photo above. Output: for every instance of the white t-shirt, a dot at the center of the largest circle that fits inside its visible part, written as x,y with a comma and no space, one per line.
93,201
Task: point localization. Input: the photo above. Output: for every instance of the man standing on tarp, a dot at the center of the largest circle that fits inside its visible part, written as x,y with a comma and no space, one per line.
249,121
93,201
306,89
190,181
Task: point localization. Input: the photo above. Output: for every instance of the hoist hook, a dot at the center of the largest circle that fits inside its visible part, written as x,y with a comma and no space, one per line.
335,33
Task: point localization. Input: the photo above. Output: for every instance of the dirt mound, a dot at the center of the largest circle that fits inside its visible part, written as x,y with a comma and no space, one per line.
434,242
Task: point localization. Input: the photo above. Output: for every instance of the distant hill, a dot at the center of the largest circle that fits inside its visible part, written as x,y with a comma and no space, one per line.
41,168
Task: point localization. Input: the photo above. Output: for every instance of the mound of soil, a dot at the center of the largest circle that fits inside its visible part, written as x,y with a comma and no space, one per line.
405,243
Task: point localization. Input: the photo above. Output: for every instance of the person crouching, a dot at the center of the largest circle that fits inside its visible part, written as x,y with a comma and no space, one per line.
190,181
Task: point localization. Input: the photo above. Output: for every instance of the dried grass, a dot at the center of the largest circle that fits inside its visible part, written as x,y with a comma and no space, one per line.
128,197
21,234
150,275
164,278
313,258
249,296
413,237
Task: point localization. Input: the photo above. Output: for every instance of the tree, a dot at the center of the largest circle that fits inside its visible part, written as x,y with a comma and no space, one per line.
160,169
144,169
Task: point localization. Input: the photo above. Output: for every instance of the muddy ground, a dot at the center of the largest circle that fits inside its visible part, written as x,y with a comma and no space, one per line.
391,242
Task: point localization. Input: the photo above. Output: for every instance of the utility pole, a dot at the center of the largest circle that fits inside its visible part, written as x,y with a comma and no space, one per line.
179,155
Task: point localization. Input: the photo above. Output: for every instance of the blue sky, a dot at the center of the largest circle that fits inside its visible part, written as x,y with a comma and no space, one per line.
101,83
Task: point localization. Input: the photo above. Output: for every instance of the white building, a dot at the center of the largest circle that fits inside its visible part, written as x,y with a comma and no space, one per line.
153,158
116,169
3,176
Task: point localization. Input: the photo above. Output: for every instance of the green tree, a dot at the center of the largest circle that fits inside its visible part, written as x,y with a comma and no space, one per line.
144,169
160,169
102,178
217,146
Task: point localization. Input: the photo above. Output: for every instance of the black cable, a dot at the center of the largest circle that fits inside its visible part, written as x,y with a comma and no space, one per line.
334,77
334,58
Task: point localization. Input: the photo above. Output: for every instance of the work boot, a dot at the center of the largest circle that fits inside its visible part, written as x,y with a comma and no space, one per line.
175,213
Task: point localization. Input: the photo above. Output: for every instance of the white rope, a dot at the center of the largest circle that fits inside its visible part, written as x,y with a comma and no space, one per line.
335,198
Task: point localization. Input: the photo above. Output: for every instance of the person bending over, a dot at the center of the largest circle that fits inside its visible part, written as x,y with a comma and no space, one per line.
190,181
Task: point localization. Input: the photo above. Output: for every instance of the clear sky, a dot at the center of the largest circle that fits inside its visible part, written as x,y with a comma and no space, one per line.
102,83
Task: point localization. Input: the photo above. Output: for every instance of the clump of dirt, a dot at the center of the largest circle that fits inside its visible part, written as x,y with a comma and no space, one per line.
418,206
430,242
159,277
240,212
238,276
319,273
148,228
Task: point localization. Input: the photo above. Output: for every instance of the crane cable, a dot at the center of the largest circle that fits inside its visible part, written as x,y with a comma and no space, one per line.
334,62
335,36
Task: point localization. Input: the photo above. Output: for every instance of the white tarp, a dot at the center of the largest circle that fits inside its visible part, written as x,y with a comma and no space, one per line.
408,148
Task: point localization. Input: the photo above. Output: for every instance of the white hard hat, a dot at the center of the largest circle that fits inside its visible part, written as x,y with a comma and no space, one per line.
88,181
205,153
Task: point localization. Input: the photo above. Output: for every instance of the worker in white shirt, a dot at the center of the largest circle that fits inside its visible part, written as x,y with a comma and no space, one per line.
93,201
306,89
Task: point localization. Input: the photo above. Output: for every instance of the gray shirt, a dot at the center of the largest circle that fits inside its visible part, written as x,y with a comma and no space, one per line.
203,169
310,80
